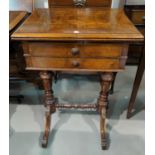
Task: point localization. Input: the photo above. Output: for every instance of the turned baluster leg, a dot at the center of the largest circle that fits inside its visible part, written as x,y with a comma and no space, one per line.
49,104
106,80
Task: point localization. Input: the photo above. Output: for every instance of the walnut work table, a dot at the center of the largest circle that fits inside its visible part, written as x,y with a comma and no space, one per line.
77,40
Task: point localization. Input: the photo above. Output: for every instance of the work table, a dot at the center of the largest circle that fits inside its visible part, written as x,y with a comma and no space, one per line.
74,39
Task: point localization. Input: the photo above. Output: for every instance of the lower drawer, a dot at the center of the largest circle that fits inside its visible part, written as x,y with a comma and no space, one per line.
45,63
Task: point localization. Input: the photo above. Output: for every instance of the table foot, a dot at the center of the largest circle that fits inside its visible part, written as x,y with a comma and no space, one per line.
47,126
103,129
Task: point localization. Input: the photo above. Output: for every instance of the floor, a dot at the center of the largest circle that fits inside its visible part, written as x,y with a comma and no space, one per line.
77,132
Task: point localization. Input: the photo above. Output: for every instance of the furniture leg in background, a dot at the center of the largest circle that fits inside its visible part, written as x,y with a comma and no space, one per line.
136,85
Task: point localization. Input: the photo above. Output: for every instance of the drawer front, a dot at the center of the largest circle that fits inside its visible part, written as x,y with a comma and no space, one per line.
44,63
67,50
105,3
138,16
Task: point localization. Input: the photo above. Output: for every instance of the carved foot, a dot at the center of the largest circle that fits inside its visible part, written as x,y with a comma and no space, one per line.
104,144
44,142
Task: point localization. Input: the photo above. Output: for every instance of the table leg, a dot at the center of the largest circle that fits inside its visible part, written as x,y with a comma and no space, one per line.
113,83
49,104
136,84
106,80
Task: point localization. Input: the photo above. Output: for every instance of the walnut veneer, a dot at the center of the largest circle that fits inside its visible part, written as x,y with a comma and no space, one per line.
81,40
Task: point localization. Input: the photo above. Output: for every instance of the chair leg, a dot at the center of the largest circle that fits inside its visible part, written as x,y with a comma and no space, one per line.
136,85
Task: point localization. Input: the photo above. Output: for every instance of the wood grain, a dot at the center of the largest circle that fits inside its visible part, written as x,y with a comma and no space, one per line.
80,24
59,64
64,50
15,17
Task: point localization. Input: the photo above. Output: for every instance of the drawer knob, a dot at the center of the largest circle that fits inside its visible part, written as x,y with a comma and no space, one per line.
75,51
75,63
143,18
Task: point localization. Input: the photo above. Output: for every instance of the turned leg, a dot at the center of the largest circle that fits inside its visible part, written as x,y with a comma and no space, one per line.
106,80
49,104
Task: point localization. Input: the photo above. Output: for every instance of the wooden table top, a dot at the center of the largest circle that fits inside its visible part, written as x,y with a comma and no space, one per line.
15,17
78,24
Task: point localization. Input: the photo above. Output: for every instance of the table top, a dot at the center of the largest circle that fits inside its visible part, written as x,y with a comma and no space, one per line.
15,17
78,24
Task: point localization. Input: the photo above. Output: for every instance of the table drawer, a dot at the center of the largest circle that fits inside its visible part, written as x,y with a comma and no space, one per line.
138,17
45,63
69,50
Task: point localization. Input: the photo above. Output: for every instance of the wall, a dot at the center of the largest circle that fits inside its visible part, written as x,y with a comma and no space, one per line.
132,2
117,3
41,3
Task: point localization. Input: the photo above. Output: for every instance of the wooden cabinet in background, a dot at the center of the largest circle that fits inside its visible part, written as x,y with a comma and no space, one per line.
85,3
136,13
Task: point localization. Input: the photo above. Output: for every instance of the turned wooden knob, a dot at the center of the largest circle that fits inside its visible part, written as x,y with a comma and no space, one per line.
75,51
75,63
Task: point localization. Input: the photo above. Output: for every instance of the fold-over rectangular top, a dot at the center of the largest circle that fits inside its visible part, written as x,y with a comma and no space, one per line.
15,17
78,24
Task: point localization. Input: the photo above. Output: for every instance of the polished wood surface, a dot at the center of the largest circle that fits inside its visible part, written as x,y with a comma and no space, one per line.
75,56
33,63
74,50
15,17
86,3
84,40
80,24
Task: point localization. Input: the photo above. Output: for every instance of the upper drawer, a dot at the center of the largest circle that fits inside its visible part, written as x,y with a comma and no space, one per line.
105,3
138,16
71,50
